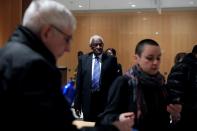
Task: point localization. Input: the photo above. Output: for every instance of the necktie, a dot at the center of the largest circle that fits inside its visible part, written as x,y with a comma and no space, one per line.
96,74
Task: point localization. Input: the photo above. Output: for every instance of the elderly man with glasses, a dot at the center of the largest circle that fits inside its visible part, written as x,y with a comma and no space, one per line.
30,82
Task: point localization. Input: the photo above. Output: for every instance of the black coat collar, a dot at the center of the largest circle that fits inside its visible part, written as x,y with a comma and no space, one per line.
23,35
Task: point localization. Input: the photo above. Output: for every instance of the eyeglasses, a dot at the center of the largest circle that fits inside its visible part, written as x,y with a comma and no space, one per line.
67,38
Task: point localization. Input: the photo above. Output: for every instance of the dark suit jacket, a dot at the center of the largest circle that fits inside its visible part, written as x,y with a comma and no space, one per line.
30,94
93,103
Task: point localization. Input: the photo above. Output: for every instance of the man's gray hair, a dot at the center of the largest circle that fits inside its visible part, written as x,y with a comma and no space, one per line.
47,12
95,37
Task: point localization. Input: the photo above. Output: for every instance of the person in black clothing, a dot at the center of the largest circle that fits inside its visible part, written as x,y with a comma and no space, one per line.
179,57
30,83
182,86
141,90
112,51
79,53
174,108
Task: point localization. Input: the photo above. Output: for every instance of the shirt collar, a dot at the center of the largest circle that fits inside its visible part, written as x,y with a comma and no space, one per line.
97,56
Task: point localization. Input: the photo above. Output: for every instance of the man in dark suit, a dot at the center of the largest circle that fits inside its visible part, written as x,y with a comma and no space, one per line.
91,100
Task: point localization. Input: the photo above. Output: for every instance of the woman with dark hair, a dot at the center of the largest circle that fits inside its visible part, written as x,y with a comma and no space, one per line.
140,91
112,51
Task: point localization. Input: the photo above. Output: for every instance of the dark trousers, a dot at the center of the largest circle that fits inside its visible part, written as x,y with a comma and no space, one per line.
96,106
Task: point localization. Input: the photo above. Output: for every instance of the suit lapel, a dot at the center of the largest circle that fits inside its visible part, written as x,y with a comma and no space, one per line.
89,65
103,64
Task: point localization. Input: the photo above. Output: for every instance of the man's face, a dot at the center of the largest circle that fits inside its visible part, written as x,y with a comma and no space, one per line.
59,41
97,46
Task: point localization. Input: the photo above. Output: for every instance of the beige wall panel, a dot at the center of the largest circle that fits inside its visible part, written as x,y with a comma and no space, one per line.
174,30
10,16
80,42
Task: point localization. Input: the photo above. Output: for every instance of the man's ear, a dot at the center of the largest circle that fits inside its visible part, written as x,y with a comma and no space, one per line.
136,57
45,33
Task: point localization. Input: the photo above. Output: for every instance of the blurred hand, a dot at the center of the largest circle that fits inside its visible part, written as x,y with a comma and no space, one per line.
175,112
126,121
174,108
127,115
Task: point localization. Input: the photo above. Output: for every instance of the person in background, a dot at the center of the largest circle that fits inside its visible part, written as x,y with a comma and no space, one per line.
112,51
182,85
179,57
79,53
96,72
176,108
30,83
141,91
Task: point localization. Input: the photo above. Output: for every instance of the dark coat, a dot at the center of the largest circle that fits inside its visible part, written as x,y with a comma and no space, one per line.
123,97
182,84
30,93
93,103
